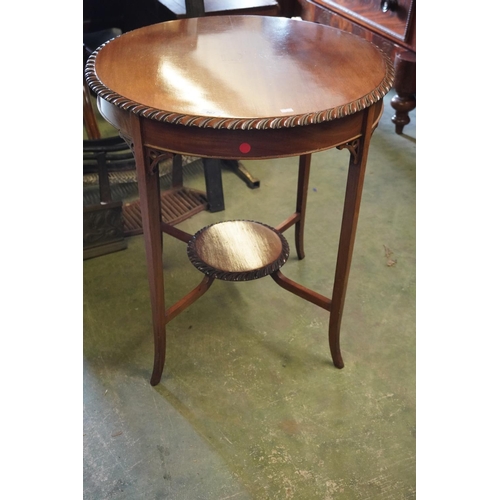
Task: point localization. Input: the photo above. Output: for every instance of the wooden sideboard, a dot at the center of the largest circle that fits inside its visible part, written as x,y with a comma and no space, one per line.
389,24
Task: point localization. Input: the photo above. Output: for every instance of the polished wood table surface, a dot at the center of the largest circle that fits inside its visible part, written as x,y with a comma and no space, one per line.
241,87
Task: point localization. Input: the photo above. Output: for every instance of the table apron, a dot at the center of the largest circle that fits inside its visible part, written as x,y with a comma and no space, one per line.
240,144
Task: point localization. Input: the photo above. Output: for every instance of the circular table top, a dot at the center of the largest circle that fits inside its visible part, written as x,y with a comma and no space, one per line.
240,72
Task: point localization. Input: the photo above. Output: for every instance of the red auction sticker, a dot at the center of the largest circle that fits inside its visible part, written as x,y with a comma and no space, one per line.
245,147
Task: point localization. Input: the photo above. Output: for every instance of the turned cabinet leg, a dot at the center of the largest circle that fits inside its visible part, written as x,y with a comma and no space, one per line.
405,86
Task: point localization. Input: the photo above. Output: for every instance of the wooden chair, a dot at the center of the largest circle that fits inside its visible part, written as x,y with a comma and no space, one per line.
102,222
106,222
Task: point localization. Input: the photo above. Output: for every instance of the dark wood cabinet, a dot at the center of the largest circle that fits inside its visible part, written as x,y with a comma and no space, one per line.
389,24
288,8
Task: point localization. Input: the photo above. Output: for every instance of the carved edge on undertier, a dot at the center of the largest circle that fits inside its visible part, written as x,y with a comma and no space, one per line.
239,123
243,275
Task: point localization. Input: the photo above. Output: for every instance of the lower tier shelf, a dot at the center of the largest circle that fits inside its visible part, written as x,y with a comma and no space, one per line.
238,250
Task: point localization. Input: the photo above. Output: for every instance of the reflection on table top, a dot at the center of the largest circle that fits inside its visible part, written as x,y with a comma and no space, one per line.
240,71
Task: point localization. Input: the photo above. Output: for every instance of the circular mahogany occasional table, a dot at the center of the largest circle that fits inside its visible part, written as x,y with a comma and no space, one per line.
241,87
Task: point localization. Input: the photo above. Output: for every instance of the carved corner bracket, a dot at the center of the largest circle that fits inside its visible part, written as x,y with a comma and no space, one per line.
153,156
353,147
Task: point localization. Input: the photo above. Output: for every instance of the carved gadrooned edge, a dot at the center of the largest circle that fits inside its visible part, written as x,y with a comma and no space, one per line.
243,275
238,123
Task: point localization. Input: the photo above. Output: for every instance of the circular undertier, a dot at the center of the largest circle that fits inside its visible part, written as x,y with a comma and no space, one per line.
238,250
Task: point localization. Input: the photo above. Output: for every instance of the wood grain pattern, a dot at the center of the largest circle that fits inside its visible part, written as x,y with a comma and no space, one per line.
239,72
242,87
238,250
225,143
368,13
393,31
